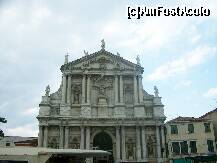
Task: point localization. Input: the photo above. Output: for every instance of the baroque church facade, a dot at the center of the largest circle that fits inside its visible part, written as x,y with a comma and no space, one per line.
101,104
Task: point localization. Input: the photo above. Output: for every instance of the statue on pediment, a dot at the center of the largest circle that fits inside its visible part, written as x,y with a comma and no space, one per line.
156,92
103,44
47,91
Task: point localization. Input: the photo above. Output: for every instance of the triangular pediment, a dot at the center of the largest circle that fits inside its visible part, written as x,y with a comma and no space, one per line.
102,60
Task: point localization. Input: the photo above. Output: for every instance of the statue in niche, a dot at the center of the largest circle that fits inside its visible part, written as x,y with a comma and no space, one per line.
150,144
77,91
130,149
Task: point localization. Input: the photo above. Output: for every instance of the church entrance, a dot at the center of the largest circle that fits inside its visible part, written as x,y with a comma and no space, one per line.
102,141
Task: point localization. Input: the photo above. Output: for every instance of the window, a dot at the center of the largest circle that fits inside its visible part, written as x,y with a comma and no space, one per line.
193,146
174,129
184,147
8,144
207,127
210,145
176,148
190,128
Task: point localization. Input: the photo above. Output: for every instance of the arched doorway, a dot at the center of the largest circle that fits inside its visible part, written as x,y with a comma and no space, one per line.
102,141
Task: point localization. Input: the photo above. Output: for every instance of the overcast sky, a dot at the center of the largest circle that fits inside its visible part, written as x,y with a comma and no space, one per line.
179,54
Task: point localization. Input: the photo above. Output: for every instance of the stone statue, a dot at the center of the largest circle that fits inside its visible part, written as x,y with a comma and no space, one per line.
76,95
138,60
156,91
47,91
86,53
118,54
103,44
66,58
150,144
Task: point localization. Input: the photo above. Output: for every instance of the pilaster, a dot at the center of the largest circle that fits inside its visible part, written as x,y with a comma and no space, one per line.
87,137
144,144
135,90
158,144
61,128
118,143
123,150
69,89
163,141
138,144
88,89
116,89
82,138
40,136
121,89
45,136
64,90
66,143
83,88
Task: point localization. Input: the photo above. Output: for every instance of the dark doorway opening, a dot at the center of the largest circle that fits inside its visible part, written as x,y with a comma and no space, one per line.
103,141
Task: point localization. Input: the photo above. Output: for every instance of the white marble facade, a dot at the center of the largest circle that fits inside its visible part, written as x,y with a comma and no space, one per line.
102,92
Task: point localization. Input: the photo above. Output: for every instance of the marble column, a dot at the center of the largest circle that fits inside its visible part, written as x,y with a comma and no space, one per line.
140,89
88,89
138,144
83,88
144,145
116,89
118,143
64,90
163,141
121,89
135,90
87,137
123,150
158,142
45,136
66,143
69,90
82,138
61,128
40,135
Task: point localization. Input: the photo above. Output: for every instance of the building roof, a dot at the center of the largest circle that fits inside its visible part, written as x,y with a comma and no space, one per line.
187,119
104,52
210,112
19,151
18,138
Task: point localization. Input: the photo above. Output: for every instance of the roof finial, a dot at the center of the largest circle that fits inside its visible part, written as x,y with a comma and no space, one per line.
156,92
103,44
138,60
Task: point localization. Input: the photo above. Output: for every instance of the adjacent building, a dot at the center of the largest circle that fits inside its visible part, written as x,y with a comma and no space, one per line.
12,141
189,136
212,115
101,104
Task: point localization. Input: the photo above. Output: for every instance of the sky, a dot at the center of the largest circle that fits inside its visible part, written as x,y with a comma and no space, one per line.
179,54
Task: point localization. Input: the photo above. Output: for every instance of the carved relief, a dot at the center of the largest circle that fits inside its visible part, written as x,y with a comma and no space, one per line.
53,142
74,142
